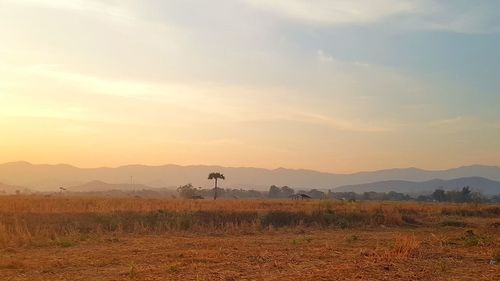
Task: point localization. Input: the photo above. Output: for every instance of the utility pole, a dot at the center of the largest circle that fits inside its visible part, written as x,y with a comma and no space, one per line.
132,183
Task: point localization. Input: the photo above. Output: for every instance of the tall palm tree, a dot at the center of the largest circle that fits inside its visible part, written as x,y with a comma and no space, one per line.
215,177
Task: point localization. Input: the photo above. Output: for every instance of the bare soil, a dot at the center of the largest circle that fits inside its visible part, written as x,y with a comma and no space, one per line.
381,253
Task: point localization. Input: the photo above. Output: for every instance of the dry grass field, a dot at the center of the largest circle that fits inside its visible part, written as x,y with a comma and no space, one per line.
70,238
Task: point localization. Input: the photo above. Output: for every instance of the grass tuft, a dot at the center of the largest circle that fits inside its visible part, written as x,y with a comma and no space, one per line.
471,239
453,223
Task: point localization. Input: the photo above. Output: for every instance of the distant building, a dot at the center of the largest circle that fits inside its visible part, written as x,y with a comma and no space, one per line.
300,196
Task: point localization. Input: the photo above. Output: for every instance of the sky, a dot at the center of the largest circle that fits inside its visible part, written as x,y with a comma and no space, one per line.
337,86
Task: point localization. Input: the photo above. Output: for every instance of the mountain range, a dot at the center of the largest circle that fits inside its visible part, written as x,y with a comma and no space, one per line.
98,186
483,185
43,177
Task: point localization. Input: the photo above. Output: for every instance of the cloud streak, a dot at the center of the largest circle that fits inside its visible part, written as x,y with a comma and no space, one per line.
102,9
342,124
431,15
326,12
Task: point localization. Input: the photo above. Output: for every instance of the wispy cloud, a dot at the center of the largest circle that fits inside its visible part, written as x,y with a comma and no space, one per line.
324,57
335,12
194,99
432,15
458,124
92,83
471,17
102,9
331,122
352,125
190,96
453,121
25,111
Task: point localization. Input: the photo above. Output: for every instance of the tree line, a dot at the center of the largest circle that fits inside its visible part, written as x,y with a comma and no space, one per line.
276,192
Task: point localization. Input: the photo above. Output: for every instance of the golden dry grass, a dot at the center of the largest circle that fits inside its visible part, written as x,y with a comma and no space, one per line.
59,238
62,204
36,220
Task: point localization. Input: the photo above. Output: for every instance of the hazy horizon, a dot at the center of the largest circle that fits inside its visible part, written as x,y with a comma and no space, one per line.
332,86
250,167
45,177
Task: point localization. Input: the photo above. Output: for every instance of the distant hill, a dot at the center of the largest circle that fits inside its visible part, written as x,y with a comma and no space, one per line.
117,193
51,177
99,186
483,185
103,189
11,189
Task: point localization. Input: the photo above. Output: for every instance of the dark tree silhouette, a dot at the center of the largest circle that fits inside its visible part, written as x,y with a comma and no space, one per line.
215,177
439,195
274,192
466,193
187,191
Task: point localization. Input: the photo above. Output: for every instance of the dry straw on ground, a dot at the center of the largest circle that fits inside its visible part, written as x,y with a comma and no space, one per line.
26,220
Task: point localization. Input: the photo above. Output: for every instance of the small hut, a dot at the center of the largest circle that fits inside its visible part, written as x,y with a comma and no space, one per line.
300,196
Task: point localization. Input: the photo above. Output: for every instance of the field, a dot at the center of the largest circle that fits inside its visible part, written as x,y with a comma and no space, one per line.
71,238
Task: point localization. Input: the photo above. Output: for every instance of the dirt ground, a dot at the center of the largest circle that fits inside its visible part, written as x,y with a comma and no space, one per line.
445,253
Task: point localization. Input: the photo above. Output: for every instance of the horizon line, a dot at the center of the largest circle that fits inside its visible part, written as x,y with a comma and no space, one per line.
246,167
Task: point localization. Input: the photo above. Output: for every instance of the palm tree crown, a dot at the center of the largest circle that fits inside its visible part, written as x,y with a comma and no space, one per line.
215,177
